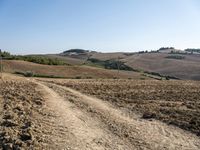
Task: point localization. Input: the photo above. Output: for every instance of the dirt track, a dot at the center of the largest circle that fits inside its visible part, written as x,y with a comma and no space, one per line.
52,116
89,123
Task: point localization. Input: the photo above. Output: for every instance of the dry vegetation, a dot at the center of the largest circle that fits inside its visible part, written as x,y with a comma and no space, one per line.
67,59
67,71
108,56
173,102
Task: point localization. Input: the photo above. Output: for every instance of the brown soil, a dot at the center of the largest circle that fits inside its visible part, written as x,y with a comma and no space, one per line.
20,104
41,115
173,102
135,132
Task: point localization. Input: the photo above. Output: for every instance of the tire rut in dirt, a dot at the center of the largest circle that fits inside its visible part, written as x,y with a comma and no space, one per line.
162,138
83,131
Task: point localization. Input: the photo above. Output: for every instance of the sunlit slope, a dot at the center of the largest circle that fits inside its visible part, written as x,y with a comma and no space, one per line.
183,67
67,71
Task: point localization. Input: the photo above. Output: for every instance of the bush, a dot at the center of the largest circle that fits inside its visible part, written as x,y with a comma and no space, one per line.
29,74
26,74
78,77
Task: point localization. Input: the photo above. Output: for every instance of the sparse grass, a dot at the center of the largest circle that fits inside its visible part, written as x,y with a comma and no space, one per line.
31,74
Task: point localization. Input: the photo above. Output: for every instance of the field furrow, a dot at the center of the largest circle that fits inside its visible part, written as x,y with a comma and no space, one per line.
143,134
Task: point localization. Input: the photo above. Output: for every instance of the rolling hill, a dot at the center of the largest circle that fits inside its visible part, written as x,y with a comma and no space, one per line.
167,62
13,66
179,65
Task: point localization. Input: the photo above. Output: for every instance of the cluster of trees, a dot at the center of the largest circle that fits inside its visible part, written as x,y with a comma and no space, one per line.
111,64
40,60
4,54
141,52
35,59
166,48
79,51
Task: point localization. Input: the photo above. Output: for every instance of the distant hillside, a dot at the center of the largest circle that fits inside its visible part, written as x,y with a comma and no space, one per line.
68,59
193,50
170,50
183,66
109,56
13,66
166,61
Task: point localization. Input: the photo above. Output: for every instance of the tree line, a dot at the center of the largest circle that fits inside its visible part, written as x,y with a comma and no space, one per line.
33,58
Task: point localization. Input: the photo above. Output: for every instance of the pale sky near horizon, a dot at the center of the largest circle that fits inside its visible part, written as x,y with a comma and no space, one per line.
52,26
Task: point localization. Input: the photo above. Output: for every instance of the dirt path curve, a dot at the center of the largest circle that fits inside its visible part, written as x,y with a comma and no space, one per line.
143,134
79,134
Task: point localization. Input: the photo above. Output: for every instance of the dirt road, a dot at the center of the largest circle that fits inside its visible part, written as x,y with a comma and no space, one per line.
84,122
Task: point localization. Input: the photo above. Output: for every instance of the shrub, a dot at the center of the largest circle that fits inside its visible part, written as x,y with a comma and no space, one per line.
29,74
78,77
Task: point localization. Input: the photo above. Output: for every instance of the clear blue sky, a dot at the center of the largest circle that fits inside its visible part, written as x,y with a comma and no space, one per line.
50,26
